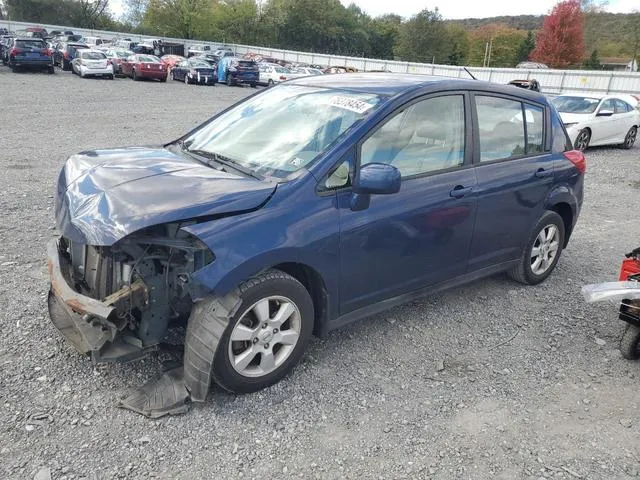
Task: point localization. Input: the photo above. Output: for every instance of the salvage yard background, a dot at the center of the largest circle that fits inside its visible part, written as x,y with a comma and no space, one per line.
491,380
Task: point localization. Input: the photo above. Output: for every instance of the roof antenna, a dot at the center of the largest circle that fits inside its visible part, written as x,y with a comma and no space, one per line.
470,74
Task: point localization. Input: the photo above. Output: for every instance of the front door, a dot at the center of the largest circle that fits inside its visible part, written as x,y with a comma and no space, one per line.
421,235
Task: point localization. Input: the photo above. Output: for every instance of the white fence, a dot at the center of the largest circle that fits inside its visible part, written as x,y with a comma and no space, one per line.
551,81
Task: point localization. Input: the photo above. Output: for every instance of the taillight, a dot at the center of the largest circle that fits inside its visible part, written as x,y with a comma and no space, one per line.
15,51
282,77
577,158
66,55
48,52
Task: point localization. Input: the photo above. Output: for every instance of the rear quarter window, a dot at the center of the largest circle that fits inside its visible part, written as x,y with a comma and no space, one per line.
560,140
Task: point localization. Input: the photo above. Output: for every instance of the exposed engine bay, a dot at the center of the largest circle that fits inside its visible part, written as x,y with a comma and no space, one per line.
145,278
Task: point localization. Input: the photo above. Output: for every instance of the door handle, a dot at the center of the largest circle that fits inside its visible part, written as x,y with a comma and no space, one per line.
544,173
459,191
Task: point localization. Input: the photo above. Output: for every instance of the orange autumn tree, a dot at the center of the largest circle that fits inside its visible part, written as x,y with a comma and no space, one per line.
560,43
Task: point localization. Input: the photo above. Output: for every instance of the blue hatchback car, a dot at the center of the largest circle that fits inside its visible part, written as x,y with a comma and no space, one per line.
304,207
236,71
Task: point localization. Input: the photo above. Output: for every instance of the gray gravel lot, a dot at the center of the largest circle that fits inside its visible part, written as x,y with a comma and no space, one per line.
493,380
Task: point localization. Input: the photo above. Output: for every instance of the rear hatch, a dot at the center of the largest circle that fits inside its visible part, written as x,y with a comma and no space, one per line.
247,69
31,51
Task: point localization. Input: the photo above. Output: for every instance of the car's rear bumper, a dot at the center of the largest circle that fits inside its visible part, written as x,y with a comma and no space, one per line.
152,74
240,78
97,71
29,63
203,79
88,324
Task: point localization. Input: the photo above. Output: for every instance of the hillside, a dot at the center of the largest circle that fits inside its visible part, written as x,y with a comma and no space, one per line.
611,34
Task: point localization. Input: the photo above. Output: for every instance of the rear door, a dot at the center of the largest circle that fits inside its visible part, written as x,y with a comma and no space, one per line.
514,176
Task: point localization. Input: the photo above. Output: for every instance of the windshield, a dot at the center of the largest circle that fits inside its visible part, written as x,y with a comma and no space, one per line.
283,129
566,104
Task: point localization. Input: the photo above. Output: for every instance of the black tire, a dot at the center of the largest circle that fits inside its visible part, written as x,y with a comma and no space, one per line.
209,332
582,140
163,80
630,138
51,70
64,65
135,76
523,272
252,85
229,81
270,83
112,77
630,343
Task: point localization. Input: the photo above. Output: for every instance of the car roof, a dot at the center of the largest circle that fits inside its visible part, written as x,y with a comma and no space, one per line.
29,39
391,84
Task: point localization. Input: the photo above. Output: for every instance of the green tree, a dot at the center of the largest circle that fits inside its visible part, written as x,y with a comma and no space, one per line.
458,40
384,33
236,21
593,62
497,44
526,47
423,38
188,19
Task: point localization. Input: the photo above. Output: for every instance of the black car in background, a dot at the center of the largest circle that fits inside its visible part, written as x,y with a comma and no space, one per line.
30,53
211,58
65,52
5,42
195,70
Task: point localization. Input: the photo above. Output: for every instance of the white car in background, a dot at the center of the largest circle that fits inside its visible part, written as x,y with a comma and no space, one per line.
304,72
272,74
593,120
92,63
93,41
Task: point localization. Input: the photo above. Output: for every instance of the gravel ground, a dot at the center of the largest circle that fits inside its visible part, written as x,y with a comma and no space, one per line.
493,380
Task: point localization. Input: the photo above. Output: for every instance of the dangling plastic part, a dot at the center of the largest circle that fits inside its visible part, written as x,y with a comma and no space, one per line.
611,291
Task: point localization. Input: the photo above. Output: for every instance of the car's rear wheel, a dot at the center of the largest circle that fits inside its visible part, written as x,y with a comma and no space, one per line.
261,342
135,76
252,85
112,77
229,81
582,140
186,79
270,83
630,138
51,70
630,343
542,251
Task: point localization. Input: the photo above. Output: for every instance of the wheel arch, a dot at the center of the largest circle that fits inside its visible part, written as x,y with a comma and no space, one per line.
566,213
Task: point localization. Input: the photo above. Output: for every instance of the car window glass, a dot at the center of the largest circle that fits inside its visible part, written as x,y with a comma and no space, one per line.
425,137
30,44
501,128
621,107
534,118
608,105
339,177
560,142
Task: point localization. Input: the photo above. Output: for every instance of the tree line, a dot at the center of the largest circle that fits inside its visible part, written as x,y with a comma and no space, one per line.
327,26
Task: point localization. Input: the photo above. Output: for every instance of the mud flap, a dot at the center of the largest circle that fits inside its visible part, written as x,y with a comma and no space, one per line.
162,396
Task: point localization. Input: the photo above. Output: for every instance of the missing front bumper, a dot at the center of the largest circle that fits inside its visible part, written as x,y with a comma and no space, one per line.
89,324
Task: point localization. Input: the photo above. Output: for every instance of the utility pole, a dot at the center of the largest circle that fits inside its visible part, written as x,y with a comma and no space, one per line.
486,50
490,49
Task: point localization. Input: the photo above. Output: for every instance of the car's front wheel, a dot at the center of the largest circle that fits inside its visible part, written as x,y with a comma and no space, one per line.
630,138
542,251
630,343
258,344
582,140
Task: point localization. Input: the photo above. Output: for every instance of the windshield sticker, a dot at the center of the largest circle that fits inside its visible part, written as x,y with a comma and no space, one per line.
349,103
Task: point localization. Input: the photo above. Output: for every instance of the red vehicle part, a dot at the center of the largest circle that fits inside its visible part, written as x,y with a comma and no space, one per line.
630,266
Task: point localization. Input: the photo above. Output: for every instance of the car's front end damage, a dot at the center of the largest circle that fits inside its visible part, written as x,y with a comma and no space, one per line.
122,269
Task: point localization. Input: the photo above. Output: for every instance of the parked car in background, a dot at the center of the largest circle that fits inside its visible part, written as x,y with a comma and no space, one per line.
198,50
528,84
224,52
272,74
531,65
92,41
257,238
237,71
117,56
92,63
303,72
141,67
5,44
171,60
125,44
37,32
4,31
65,52
593,120
194,71
340,70
29,53
210,58
64,38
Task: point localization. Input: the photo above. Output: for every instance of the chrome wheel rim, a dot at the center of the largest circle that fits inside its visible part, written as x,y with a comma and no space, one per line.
265,336
582,141
545,249
631,138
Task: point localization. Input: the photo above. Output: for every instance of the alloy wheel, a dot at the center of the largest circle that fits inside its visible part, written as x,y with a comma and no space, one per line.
631,138
264,336
545,249
582,142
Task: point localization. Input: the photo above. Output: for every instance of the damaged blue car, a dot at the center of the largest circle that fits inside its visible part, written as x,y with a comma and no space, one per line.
302,208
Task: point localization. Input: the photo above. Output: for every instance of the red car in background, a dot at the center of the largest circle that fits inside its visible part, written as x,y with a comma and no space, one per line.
144,66
171,60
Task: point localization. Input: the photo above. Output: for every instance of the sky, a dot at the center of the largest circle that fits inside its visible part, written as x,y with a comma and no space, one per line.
458,8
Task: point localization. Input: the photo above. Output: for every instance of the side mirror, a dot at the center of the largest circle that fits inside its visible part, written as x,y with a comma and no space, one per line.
377,178
604,113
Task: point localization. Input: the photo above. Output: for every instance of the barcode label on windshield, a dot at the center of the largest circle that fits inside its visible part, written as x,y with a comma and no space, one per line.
349,103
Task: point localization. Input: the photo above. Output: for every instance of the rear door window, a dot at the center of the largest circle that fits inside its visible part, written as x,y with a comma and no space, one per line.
534,119
501,126
621,107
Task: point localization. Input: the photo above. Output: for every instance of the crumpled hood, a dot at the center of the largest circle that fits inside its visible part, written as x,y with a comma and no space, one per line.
575,117
104,195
